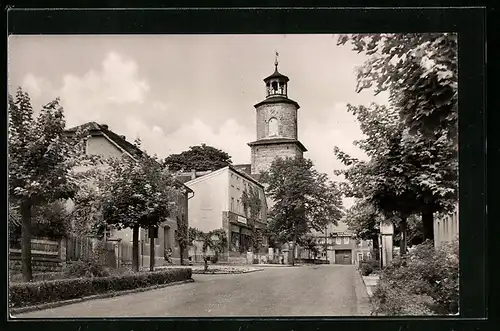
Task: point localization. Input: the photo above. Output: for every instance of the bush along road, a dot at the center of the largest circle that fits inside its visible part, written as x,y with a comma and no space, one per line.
44,292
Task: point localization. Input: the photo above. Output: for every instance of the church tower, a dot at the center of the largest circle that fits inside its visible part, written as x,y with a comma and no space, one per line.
276,125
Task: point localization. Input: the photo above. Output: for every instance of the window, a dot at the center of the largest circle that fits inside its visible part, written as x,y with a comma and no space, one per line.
238,205
273,127
346,240
232,205
338,241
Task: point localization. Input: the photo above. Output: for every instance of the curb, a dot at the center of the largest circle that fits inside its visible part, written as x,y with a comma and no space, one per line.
369,296
56,304
226,273
362,292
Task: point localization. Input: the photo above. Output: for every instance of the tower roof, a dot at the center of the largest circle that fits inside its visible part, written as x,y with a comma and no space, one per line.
276,75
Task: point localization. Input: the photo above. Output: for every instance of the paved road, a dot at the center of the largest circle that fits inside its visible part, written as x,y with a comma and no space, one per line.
326,290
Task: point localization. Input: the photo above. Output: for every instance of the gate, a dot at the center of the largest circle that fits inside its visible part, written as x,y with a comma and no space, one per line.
343,256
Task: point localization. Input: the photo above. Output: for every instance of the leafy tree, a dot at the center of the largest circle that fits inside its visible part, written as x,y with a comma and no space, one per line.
364,220
137,193
406,174
420,72
303,198
252,206
42,160
200,158
48,221
215,240
311,243
275,236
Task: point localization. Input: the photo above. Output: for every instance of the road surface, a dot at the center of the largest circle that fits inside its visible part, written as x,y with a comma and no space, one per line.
324,290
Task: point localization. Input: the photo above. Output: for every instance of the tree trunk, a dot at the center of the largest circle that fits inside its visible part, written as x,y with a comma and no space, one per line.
294,243
376,247
181,252
135,248
428,224
404,237
151,253
26,242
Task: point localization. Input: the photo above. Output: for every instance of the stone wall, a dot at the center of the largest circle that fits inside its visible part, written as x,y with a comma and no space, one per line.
285,113
264,155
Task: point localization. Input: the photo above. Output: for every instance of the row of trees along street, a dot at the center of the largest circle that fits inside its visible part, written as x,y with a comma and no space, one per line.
47,165
411,143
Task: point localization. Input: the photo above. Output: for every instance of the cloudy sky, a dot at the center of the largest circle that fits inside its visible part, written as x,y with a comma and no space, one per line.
176,91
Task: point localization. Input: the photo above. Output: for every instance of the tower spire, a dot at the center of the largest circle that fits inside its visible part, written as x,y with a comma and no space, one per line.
276,61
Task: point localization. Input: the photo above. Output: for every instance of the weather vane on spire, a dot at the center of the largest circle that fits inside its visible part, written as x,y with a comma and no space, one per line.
276,60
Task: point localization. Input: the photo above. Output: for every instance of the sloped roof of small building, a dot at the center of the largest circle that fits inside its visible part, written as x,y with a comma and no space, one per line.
96,129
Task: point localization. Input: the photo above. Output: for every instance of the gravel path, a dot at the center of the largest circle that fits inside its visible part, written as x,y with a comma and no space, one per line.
326,290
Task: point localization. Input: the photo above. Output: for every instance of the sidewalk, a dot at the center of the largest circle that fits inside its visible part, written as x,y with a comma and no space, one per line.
370,283
363,303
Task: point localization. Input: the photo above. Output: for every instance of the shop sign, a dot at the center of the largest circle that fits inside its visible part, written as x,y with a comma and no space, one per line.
242,219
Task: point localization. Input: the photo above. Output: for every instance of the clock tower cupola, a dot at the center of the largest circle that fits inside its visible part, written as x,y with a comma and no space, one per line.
277,131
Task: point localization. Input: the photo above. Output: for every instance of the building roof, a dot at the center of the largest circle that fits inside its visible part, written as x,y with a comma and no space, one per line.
278,141
277,99
277,75
230,168
247,168
96,129
246,175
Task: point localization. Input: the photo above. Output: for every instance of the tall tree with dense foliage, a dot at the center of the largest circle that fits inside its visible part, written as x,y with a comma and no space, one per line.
364,219
199,158
42,160
420,72
303,198
137,193
406,173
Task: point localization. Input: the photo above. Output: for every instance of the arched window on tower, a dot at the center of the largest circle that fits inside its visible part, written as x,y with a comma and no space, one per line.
273,127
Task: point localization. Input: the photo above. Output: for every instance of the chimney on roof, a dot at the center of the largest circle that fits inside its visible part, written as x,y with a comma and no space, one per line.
123,137
105,126
193,173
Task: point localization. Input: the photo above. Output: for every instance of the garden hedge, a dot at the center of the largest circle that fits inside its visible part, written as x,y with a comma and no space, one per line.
28,294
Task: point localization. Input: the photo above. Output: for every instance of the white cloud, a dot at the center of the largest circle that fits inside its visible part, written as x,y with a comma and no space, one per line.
231,137
37,87
98,95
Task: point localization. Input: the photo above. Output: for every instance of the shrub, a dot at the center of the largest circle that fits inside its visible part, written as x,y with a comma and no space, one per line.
85,268
214,259
26,294
424,282
369,266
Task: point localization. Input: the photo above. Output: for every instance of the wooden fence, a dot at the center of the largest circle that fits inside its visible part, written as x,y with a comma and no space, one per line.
78,248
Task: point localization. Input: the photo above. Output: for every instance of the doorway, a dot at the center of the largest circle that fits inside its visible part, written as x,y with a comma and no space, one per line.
343,256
